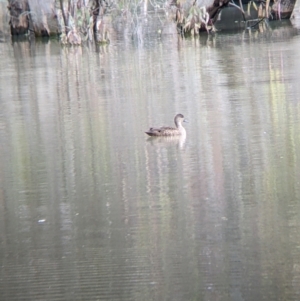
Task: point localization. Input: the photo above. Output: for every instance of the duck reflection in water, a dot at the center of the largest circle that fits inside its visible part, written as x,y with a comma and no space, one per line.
164,141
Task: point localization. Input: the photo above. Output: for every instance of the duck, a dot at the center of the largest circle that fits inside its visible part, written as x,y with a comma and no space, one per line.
169,131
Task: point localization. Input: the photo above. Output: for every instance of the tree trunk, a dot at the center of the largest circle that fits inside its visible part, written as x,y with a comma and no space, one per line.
214,9
19,21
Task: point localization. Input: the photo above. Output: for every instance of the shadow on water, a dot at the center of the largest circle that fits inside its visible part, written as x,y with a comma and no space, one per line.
168,141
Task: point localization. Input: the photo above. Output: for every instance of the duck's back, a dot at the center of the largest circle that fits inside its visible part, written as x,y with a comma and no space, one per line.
163,131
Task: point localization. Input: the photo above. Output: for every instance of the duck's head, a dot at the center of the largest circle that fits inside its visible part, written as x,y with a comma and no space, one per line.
179,118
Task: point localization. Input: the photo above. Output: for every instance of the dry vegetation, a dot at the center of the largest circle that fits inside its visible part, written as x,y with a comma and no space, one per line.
76,21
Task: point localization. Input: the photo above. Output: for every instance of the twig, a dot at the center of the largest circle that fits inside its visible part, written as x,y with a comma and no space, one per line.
260,20
239,8
267,8
63,14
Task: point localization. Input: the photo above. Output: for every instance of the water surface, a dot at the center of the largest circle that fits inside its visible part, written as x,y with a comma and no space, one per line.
92,209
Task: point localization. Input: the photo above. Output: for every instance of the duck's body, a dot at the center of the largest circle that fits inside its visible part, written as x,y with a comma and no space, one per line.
169,131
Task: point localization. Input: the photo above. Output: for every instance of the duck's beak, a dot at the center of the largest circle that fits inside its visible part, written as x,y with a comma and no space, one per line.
185,120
